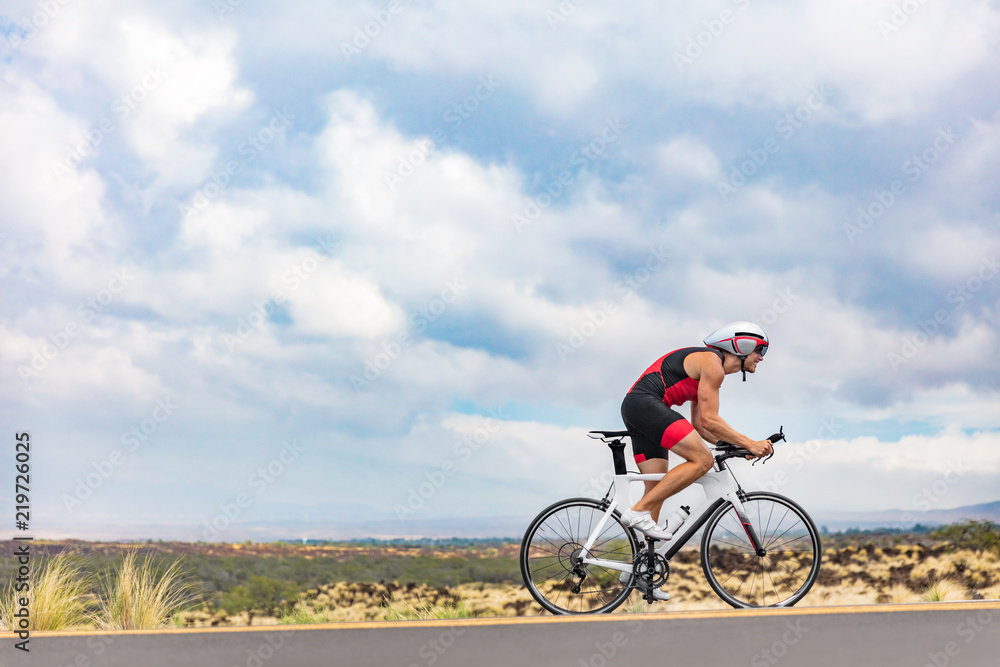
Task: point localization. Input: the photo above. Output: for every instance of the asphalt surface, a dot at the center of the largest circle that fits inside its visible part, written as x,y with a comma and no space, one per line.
936,634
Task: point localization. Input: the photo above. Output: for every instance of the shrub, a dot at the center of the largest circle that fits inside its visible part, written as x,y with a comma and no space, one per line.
975,535
259,594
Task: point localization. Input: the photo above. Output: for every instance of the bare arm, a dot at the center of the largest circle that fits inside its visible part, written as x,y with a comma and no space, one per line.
699,426
711,379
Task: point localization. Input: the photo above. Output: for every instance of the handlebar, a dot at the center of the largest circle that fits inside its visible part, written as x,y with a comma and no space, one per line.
727,450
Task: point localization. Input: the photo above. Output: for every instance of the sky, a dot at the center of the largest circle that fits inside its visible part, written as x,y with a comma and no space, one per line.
348,269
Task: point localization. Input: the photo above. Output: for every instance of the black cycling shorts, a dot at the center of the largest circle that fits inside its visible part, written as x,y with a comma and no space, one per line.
654,425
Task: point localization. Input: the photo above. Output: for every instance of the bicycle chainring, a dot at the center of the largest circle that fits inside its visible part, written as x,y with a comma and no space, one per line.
650,577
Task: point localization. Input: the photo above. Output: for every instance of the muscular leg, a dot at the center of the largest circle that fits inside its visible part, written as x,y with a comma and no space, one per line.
697,461
649,467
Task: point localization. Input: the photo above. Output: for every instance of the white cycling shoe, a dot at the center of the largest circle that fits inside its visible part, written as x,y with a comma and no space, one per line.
643,522
658,594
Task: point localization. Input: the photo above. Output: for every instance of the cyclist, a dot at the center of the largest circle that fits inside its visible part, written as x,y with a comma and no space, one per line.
690,374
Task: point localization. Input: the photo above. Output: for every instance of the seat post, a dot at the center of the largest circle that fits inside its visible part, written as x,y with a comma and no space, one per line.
618,454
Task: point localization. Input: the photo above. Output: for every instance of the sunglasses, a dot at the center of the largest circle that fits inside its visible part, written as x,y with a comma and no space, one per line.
761,349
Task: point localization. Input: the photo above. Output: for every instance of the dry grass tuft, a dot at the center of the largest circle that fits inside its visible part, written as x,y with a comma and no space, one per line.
137,596
945,589
59,593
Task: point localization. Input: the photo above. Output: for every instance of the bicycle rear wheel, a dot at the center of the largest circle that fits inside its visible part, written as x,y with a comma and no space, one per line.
552,567
780,578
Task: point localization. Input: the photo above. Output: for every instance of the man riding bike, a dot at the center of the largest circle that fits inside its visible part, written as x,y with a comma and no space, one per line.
690,374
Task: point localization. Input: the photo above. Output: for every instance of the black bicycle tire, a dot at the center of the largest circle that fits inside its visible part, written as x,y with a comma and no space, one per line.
523,557
814,534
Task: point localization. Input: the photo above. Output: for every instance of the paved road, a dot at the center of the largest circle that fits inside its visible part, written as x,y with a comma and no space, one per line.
935,635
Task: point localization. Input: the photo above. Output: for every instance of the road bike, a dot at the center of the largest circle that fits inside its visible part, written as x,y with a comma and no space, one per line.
758,549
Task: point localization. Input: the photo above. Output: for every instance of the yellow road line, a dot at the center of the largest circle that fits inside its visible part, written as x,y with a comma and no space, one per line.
581,618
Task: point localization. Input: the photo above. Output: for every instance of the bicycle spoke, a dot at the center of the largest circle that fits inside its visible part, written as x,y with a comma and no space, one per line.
774,547
737,546
779,526
769,515
748,564
545,567
777,596
568,531
544,551
783,534
599,590
790,572
784,579
753,578
617,552
611,524
739,536
613,537
556,532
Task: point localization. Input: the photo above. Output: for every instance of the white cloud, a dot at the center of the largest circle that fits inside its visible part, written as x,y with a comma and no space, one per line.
146,81
61,210
336,302
687,159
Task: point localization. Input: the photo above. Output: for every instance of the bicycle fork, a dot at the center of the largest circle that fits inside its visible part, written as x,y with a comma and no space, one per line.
748,528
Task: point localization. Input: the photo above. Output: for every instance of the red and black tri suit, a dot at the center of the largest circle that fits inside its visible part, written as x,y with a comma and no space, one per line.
647,411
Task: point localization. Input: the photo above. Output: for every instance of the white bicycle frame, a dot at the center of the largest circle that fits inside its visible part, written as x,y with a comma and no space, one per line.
718,486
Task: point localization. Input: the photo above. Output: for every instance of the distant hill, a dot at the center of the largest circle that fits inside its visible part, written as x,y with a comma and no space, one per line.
836,521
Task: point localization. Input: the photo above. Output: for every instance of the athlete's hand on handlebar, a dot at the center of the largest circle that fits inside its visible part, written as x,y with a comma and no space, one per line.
760,448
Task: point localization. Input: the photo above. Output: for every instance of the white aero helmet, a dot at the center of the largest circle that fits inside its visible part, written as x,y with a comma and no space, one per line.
739,338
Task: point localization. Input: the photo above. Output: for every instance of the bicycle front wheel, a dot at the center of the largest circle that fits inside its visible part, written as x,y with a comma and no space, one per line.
552,566
783,575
